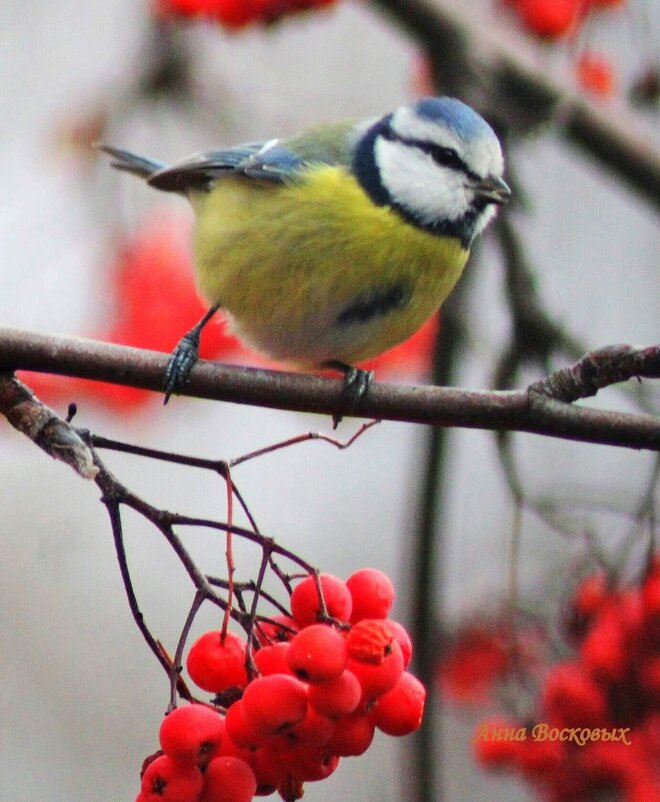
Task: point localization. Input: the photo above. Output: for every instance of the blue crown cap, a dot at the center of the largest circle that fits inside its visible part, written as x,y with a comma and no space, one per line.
456,115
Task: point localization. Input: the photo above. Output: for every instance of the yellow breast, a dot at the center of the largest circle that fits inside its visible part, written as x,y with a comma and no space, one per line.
286,260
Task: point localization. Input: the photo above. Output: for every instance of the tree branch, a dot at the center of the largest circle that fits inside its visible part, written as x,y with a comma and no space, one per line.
533,410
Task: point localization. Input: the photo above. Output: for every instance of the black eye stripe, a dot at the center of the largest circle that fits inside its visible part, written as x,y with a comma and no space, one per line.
447,157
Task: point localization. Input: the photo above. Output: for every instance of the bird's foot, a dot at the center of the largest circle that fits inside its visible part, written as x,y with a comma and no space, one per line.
356,385
183,357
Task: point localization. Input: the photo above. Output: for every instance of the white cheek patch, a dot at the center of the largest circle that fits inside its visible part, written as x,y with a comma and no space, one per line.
424,188
485,157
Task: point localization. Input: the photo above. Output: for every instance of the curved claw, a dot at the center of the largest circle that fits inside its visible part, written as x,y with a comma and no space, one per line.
183,357
181,362
356,385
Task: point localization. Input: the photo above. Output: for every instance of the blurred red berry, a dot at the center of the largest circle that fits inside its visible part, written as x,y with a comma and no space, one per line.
318,653
192,733
372,594
590,593
399,711
595,74
478,658
549,19
274,704
228,779
306,606
216,663
571,698
540,759
168,780
336,698
494,745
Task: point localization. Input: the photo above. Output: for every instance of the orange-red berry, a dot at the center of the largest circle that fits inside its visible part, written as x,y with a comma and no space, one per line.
549,19
216,663
306,605
376,680
399,711
370,641
337,697
274,704
352,736
372,594
168,780
228,779
318,653
193,733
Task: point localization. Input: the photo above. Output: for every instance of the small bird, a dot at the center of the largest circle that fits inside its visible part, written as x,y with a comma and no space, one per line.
331,247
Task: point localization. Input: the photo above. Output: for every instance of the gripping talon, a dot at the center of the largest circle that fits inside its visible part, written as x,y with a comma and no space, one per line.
183,357
356,385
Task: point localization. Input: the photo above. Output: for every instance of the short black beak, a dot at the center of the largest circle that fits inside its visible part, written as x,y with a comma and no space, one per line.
493,190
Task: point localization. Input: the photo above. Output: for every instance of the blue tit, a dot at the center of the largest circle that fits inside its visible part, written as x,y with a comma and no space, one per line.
331,247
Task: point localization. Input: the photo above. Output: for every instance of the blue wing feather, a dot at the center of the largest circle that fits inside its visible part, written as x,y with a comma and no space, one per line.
267,161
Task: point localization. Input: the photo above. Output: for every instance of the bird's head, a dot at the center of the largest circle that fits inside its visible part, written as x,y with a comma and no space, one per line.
437,163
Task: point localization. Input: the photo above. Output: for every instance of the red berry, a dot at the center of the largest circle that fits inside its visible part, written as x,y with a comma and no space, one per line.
372,594
274,704
167,780
314,730
370,641
228,779
266,763
216,664
595,74
549,19
541,759
273,659
571,698
604,650
193,733
399,711
590,594
402,637
305,604
241,733
310,763
493,744
353,735
336,698
378,679
318,653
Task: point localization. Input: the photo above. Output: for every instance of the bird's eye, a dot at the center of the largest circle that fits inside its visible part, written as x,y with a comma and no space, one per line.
447,157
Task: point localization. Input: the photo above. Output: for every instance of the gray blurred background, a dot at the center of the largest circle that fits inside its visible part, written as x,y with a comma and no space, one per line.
81,696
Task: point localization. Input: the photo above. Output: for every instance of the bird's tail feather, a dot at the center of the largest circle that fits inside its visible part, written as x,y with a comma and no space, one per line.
131,162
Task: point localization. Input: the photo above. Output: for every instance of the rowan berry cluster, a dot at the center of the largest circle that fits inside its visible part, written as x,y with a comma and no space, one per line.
597,723
317,685
553,20
235,14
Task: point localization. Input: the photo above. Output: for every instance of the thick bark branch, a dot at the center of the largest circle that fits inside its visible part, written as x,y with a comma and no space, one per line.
538,409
